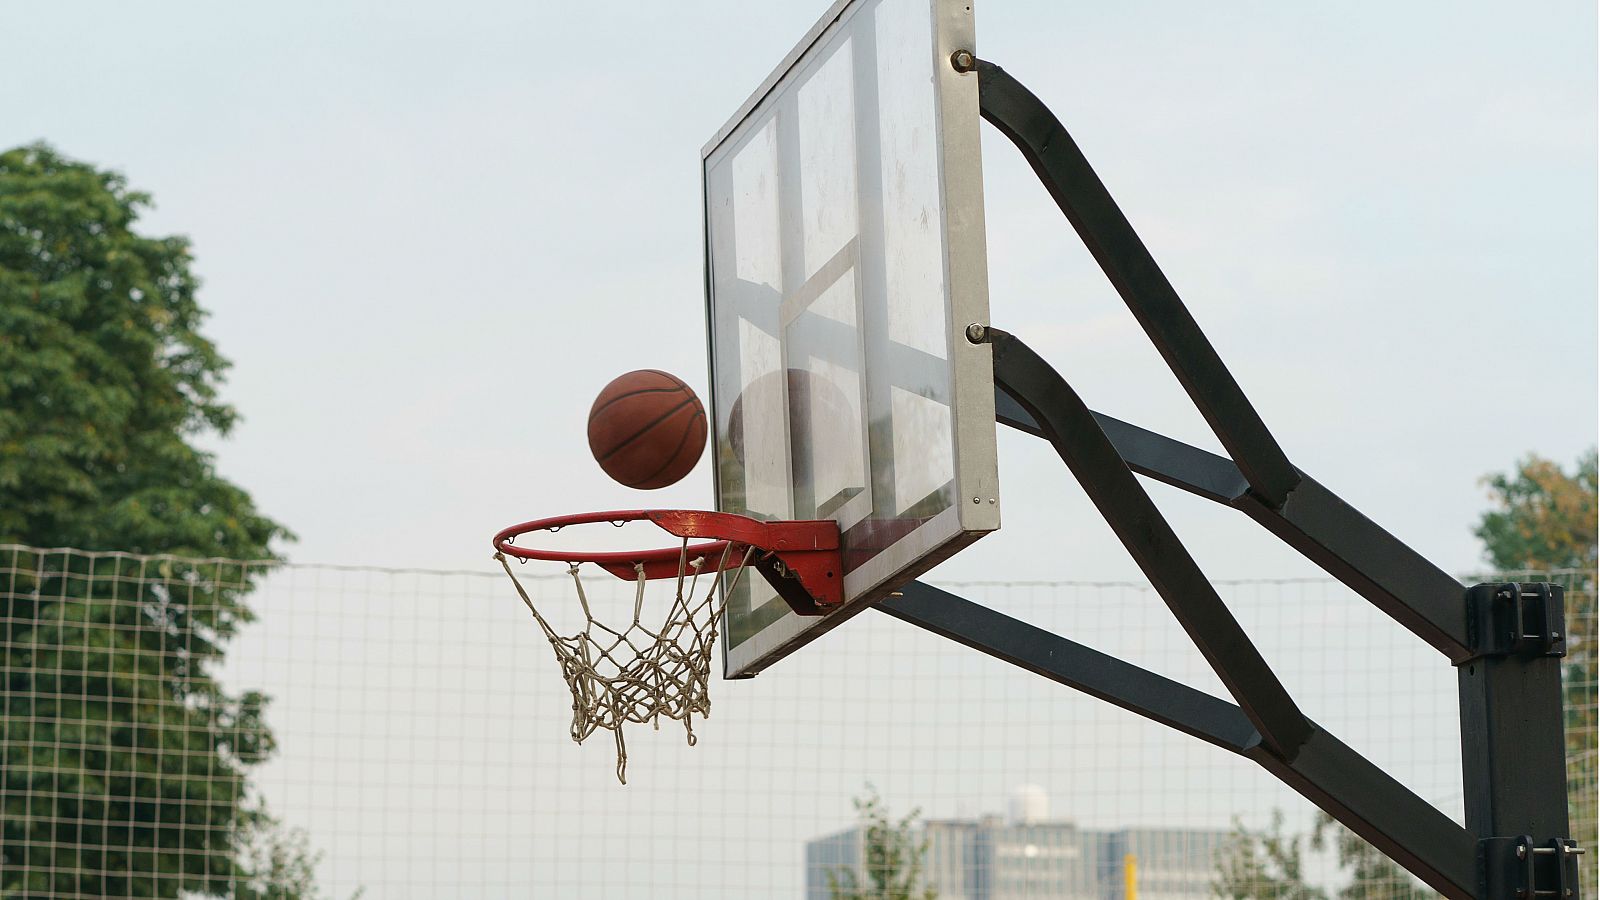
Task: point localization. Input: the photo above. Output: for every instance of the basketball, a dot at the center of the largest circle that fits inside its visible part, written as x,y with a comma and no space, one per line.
647,429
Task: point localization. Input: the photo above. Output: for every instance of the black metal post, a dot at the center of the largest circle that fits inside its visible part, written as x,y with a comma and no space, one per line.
1513,751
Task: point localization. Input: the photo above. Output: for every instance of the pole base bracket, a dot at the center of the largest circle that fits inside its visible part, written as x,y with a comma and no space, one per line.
1519,868
1527,619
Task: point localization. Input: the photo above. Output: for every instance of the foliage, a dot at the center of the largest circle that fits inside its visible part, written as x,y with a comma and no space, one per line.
280,863
122,761
1544,520
892,857
1263,865
1373,876
1257,865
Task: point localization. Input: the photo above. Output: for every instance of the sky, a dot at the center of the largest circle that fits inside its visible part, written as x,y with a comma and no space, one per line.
429,234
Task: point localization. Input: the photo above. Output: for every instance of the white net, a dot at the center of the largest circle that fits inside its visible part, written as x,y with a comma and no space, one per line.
396,733
639,673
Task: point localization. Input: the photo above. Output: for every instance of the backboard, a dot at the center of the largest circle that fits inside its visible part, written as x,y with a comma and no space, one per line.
845,257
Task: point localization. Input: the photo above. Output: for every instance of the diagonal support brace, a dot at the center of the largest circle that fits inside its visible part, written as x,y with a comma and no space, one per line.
1127,263
1071,428
1327,772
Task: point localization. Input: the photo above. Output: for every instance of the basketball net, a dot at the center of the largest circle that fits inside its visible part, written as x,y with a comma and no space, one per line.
636,673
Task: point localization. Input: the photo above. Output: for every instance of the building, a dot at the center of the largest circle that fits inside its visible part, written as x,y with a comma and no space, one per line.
1029,855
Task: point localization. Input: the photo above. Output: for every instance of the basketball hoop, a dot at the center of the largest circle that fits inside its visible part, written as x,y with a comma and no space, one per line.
639,673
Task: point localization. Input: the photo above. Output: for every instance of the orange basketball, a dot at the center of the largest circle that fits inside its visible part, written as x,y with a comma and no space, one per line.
647,429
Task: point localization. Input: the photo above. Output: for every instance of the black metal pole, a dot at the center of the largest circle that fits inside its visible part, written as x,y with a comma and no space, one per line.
1513,749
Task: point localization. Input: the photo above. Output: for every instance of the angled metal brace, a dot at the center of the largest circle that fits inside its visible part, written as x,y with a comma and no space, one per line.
1325,771
1303,513
1352,548
1513,775
1067,175
1068,424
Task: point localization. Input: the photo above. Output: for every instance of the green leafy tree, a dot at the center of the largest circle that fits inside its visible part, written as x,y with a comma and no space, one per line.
892,857
1263,865
1372,875
123,762
1543,518
1268,864
1544,521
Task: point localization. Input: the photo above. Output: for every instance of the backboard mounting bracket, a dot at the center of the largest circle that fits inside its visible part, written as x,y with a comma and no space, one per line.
1505,641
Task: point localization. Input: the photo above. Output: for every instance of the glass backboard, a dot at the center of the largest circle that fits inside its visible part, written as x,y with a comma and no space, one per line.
844,259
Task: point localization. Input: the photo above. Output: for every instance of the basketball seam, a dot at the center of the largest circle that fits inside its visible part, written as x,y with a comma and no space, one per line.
672,457
637,434
634,393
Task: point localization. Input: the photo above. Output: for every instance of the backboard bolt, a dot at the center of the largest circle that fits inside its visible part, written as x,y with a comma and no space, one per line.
977,333
963,61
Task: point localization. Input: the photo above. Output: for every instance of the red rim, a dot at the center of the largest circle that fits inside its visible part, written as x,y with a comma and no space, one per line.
805,551
608,559
726,529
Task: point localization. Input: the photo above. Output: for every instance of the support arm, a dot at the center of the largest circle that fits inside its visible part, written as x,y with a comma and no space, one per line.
1068,424
1326,771
1067,175
1396,579
1510,683
1097,674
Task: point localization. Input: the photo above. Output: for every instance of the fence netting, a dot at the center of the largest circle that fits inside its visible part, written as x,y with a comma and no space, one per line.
216,728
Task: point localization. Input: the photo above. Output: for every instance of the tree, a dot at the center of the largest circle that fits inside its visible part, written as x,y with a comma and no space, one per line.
1373,876
1543,519
1544,522
1270,865
1263,865
123,762
892,857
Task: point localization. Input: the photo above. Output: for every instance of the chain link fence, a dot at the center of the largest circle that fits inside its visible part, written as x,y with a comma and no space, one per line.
401,733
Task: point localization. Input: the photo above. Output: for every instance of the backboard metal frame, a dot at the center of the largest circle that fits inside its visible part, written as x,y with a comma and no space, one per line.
976,509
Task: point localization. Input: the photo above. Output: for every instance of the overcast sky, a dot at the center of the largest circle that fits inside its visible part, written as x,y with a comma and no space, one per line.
430,233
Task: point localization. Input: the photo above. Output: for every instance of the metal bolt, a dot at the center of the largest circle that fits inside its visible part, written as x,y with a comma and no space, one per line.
1522,851
963,61
977,333
976,500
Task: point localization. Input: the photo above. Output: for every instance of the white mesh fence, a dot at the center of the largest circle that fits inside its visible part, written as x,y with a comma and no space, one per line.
419,744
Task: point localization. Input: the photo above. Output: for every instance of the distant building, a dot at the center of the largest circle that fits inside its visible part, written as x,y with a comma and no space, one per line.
1032,857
